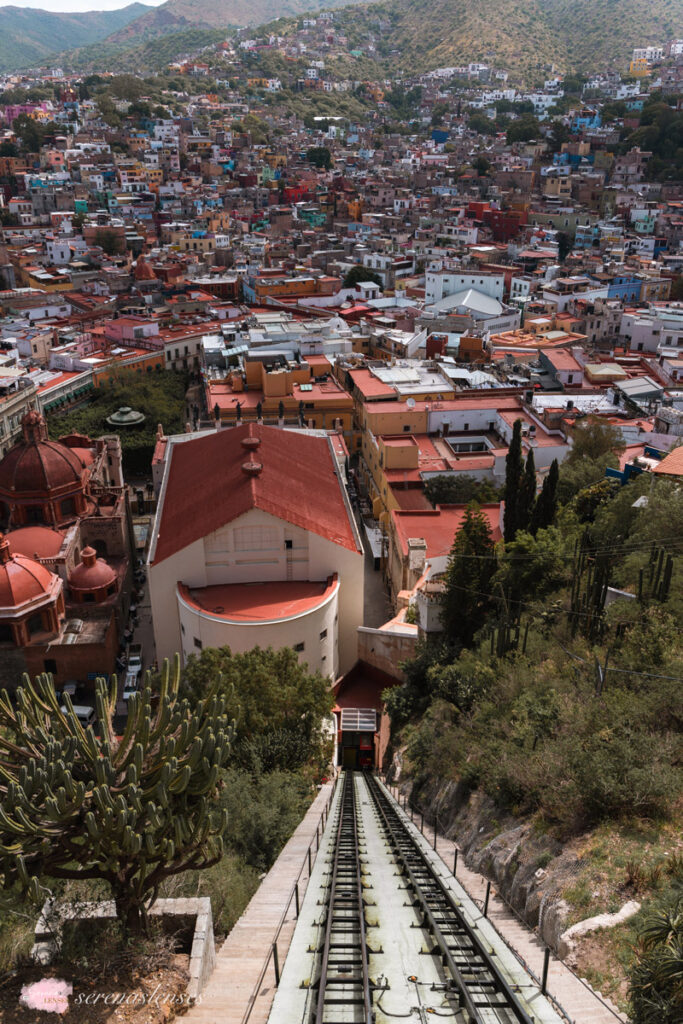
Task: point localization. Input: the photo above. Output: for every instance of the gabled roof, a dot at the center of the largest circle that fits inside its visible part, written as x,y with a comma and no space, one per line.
213,479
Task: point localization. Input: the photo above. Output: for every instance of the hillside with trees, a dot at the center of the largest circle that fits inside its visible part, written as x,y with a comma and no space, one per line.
29,35
552,696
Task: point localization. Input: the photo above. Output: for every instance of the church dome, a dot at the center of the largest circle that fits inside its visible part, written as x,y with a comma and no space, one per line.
37,466
92,573
21,579
35,541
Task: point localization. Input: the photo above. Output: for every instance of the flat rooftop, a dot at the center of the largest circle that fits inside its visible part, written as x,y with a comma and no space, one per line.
259,602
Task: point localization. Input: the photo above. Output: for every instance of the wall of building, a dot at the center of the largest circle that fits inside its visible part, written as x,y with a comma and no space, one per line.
252,549
316,629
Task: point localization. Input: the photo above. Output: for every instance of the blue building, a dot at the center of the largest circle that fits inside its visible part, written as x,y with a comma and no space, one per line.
625,287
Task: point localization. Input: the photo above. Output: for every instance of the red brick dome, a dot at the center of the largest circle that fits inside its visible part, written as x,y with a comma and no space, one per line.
92,573
21,579
35,541
37,466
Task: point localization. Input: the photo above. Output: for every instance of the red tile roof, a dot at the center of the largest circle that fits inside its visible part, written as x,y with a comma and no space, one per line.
206,486
439,526
259,602
672,464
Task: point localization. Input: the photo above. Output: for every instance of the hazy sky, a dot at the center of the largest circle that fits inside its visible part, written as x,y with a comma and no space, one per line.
60,6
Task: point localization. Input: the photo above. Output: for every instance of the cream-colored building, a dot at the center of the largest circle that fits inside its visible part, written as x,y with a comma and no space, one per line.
255,544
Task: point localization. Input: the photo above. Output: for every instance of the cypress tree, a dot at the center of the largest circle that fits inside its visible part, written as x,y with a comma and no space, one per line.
546,505
526,499
471,566
514,468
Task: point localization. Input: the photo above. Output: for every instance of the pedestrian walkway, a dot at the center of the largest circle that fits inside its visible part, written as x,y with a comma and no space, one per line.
240,961
576,999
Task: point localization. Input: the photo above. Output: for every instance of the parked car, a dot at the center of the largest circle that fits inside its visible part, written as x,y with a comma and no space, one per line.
85,715
131,684
134,660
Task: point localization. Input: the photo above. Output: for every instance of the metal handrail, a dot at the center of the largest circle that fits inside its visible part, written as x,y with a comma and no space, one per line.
542,983
294,895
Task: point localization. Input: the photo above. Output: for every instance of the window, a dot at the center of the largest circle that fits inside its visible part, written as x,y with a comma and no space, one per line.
89,598
6,634
289,544
299,648
34,514
68,507
198,644
358,720
50,665
406,427
570,378
35,624
323,635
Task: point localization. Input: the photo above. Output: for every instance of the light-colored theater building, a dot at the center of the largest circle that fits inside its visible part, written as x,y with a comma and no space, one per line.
255,544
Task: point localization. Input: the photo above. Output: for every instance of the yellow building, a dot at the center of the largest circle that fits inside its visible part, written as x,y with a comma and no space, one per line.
639,67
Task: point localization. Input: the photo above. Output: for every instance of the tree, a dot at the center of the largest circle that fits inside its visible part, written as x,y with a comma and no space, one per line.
594,437
438,111
565,244
481,166
319,156
278,705
471,566
530,567
514,466
8,149
526,499
524,129
546,503
133,811
360,273
459,489
110,242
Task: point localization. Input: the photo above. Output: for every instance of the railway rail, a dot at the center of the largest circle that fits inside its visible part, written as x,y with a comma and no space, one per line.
344,989
432,953
482,988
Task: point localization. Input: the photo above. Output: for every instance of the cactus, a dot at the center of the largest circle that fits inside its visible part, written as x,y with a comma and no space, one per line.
81,803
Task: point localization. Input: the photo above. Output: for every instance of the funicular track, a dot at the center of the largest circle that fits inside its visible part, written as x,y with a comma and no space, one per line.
344,991
480,987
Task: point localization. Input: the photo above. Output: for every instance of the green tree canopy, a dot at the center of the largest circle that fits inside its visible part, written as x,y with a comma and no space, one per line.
360,273
319,156
471,566
459,489
279,706
524,129
594,437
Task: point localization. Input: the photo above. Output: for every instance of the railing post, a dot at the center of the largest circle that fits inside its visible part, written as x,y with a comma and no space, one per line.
486,898
276,964
309,862
296,898
422,824
317,838
455,860
546,965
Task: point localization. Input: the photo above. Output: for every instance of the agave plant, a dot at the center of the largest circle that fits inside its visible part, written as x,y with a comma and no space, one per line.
83,803
657,975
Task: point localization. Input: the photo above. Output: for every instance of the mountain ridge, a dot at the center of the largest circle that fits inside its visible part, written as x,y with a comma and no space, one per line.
30,35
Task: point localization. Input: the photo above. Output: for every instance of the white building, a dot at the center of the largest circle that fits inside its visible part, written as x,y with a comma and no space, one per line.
439,284
255,544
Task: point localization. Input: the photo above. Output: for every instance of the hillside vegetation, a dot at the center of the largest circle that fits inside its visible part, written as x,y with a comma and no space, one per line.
559,708
184,25
29,36
528,37
522,35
